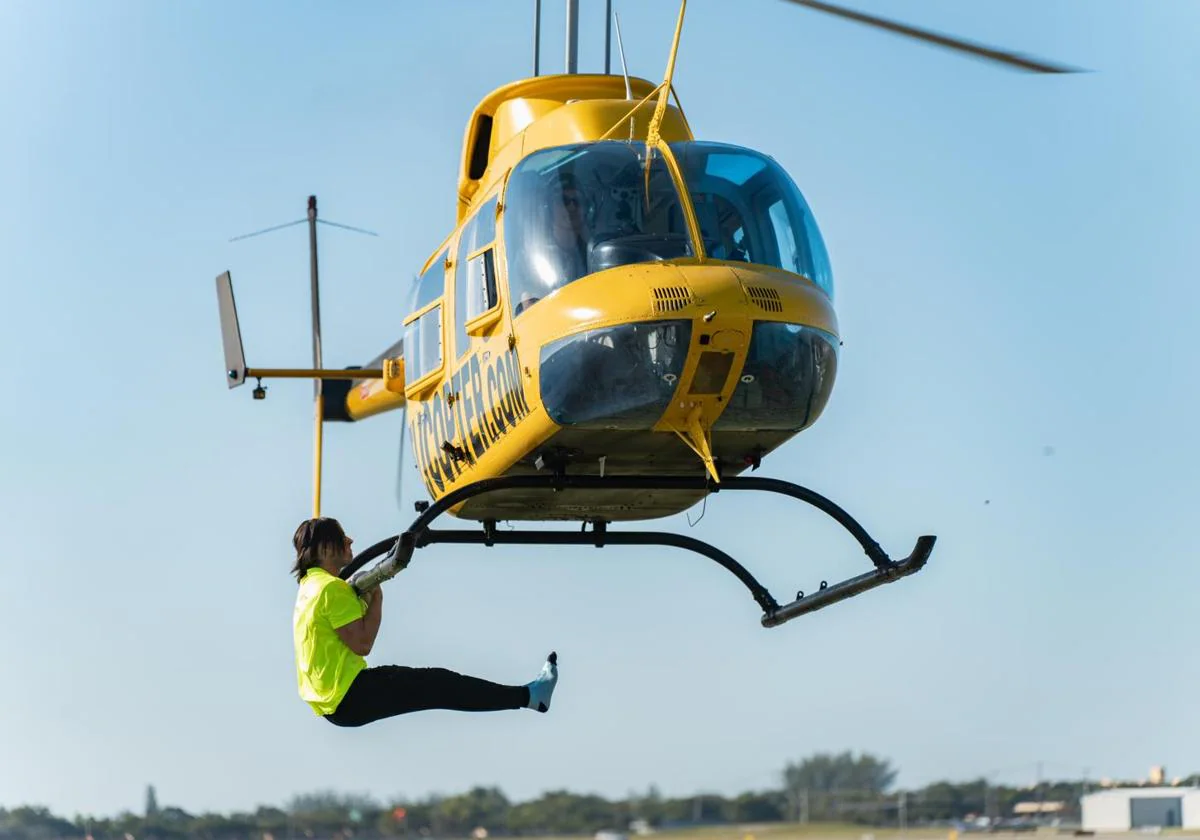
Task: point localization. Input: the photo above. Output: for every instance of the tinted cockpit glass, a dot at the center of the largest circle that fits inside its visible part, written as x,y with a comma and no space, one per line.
750,210
576,210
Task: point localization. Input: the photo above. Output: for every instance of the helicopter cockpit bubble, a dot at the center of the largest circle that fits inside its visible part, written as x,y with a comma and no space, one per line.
750,210
577,210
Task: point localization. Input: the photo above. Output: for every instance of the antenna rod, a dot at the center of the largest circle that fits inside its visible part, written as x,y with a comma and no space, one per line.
537,35
316,337
607,36
624,69
572,36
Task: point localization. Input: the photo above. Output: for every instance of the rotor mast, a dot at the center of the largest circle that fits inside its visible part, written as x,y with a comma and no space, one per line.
572,36
571,56
537,37
608,17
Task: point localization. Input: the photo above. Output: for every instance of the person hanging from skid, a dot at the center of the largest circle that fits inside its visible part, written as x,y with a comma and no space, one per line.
334,630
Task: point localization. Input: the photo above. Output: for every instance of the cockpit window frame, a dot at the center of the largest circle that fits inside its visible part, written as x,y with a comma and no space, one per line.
685,200
800,216
660,154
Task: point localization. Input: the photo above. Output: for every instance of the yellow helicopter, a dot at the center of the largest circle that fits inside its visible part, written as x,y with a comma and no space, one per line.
623,320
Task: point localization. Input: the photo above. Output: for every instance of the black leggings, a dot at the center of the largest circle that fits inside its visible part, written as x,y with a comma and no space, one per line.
388,690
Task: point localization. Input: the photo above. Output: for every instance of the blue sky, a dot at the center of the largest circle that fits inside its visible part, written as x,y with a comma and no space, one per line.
1015,266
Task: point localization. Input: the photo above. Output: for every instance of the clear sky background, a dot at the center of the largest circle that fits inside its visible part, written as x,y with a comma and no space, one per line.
1015,259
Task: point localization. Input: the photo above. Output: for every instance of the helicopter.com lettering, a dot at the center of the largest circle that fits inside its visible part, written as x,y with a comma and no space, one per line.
480,403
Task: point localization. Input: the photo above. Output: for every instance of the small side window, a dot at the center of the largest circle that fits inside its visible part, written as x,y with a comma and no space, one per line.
481,284
423,334
423,345
474,275
431,284
481,147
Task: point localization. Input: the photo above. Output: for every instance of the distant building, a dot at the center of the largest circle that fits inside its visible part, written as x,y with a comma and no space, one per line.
1026,809
1131,808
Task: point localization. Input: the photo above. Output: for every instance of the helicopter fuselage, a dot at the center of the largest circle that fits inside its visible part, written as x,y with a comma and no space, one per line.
607,307
623,319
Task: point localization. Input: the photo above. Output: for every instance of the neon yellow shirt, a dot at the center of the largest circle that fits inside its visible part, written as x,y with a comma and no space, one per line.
325,666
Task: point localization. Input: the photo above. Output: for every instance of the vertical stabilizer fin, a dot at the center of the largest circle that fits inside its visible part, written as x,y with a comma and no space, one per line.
231,332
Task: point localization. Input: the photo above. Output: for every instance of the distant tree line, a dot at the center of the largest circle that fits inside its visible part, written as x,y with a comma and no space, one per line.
842,788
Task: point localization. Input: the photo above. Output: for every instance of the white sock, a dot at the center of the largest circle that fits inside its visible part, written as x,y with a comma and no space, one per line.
542,687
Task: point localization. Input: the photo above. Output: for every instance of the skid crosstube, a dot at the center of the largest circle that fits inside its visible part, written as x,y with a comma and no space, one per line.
397,550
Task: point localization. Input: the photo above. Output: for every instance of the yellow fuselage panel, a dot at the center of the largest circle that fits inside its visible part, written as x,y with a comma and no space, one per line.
487,414
649,291
722,301
479,420
553,111
589,121
482,413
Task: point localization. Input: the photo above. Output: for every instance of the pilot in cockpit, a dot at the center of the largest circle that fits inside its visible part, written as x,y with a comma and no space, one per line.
569,230
731,230
559,256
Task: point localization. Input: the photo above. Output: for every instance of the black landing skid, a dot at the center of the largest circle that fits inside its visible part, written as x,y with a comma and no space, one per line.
397,551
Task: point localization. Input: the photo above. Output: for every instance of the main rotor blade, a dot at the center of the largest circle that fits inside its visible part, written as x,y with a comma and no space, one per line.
978,50
268,230
346,227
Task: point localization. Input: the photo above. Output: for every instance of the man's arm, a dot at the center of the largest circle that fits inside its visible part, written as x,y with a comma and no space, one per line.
360,635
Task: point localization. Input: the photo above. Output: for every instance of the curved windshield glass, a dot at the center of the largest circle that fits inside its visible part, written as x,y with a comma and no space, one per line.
750,210
574,210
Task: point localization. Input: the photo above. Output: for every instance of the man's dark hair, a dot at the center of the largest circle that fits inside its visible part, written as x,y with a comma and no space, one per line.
315,539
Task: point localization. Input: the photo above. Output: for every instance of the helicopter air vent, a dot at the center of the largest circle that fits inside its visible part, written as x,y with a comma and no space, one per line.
671,298
768,299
